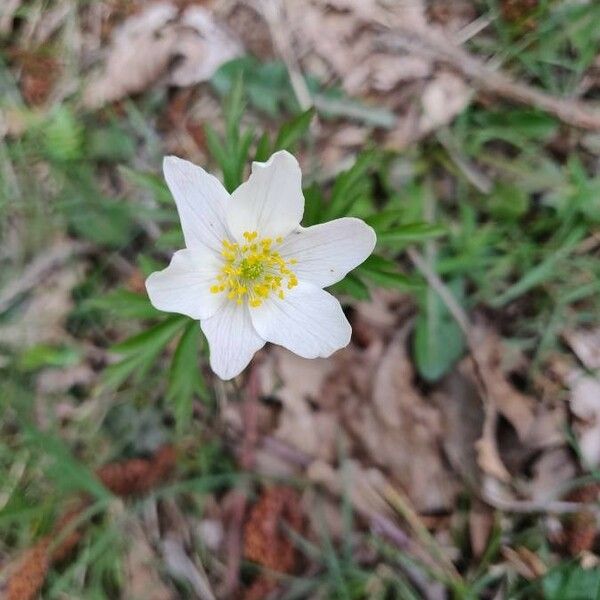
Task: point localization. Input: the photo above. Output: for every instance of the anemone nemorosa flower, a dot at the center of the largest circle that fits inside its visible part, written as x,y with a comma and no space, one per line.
249,272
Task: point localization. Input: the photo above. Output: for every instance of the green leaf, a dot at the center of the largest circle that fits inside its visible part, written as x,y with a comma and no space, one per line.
571,582
234,180
541,273
263,148
185,376
508,202
62,468
105,221
352,286
63,136
293,130
142,350
314,204
234,108
152,339
125,304
44,355
114,375
111,144
150,182
410,232
385,273
383,221
350,186
438,340
216,148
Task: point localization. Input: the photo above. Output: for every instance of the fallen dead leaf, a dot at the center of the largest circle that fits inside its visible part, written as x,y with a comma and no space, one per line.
142,579
586,345
444,97
585,405
308,429
159,44
517,408
401,431
552,469
481,523
462,422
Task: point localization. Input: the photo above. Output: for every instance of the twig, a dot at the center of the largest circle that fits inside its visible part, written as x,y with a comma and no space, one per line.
181,566
432,278
437,45
532,506
39,269
273,12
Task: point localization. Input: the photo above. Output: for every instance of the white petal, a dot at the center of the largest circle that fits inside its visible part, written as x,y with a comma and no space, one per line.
232,340
271,201
327,252
184,286
201,201
309,321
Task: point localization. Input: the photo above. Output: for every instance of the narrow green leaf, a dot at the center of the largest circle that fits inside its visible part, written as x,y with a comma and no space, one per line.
350,185
185,376
216,148
438,340
234,108
263,148
352,286
293,130
411,232
384,272
148,181
154,338
314,205
541,273
125,304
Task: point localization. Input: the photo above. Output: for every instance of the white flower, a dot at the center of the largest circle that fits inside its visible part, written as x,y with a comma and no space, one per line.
250,273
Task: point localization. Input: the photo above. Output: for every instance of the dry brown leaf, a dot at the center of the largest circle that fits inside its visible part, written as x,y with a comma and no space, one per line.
401,431
158,44
311,431
585,405
586,345
142,579
517,408
462,420
443,98
481,523
528,564
340,40
552,469
341,35
488,458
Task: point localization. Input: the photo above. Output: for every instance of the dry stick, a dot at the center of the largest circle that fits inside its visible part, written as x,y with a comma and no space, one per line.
273,12
436,44
42,266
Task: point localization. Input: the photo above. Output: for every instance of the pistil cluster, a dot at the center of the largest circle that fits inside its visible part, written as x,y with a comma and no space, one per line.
254,270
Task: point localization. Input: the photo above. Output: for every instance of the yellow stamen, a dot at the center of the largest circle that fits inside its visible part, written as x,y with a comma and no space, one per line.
253,271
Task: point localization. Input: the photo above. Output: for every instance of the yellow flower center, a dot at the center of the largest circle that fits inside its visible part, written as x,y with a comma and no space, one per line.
254,271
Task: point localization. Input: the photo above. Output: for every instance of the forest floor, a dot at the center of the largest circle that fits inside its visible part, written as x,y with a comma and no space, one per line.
452,450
